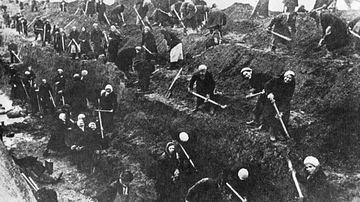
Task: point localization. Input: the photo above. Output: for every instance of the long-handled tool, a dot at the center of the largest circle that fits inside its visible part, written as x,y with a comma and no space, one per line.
188,157
327,33
86,7
138,15
63,43
63,99
251,95
293,174
147,50
52,99
17,57
169,91
209,100
354,33
104,110
280,119
38,102
100,121
31,182
181,21
106,18
235,192
280,35
76,44
69,23
23,85
32,22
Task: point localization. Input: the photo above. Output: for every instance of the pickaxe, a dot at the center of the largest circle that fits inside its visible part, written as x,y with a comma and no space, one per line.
280,119
354,33
104,110
69,23
293,174
181,22
147,50
209,100
280,35
31,22
169,91
188,157
236,193
23,85
251,95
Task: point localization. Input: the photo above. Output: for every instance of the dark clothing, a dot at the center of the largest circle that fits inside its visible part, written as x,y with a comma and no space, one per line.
45,93
257,82
320,3
60,82
63,6
90,8
7,20
339,36
317,188
290,5
13,48
124,59
23,27
216,19
74,35
261,8
114,42
280,24
188,13
84,38
101,9
142,10
47,28
144,69
59,43
34,6
115,189
39,29
355,28
148,40
115,14
204,86
96,39
77,96
108,102
171,39
283,93
57,138
205,190
16,87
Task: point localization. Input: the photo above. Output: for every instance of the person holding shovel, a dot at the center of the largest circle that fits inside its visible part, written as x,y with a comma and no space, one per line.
149,44
279,92
205,85
108,105
256,82
282,27
314,180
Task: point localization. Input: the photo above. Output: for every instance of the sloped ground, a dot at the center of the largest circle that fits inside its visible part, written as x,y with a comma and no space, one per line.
324,111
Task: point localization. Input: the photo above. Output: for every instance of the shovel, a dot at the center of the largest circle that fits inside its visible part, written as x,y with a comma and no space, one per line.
169,91
209,100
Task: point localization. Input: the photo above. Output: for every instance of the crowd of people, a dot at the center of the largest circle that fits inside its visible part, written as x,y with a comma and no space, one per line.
81,132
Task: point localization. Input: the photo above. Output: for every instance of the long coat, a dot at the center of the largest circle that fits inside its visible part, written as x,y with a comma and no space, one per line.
339,36
148,40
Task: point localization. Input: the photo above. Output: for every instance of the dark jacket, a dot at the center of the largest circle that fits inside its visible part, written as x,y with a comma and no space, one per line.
39,26
282,91
62,82
125,58
74,35
317,187
148,40
44,90
282,22
171,39
96,35
339,36
100,8
108,102
258,80
205,86
205,190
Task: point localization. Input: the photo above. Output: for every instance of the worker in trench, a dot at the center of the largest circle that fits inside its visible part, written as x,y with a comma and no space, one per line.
283,24
256,82
205,86
279,91
334,30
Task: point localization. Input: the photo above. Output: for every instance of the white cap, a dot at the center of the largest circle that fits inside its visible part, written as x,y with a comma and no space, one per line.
184,137
202,67
311,160
289,72
245,69
62,116
109,87
84,72
27,72
60,70
81,116
243,174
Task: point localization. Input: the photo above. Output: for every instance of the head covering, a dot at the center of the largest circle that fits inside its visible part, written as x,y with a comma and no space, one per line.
81,116
167,146
126,176
311,160
73,27
245,69
138,48
60,70
76,75
84,72
27,72
147,28
243,174
62,116
202,67
92,124
289,72
109,87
